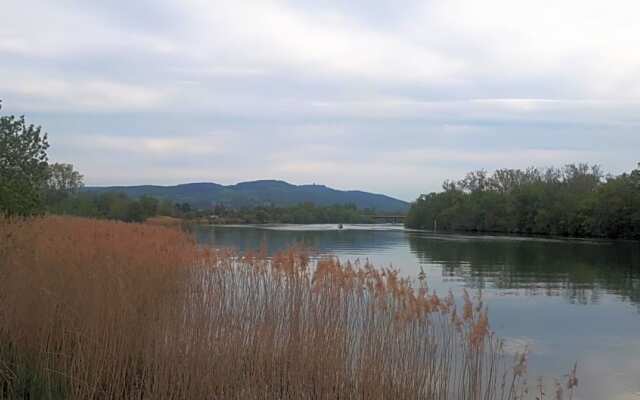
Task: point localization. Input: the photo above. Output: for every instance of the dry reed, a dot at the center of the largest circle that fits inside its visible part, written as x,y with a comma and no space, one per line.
105,310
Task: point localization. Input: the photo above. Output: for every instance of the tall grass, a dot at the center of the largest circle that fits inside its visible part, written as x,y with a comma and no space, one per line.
105,310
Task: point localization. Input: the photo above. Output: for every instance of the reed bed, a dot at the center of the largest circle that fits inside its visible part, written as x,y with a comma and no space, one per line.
104,310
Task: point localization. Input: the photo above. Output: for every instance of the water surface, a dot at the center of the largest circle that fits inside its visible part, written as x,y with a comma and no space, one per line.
568,300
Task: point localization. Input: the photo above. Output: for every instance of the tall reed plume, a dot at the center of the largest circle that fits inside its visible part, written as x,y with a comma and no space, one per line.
104,310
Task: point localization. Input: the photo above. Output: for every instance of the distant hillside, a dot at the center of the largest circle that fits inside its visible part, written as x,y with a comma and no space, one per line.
256,193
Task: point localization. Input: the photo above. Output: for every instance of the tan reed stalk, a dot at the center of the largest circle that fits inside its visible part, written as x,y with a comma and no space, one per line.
105,310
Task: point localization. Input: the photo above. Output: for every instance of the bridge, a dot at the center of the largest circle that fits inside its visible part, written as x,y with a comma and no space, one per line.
389,219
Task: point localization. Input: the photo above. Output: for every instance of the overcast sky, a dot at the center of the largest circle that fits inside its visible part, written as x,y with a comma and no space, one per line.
385,96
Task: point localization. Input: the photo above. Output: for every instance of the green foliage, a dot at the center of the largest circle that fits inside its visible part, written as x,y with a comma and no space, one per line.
63,182
304,213
575,200
166,207
109,205
23,167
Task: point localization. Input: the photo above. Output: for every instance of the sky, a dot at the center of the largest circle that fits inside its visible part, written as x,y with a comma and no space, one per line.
386,96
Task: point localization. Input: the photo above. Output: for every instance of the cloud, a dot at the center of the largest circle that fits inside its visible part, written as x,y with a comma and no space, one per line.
157,146
377,95
57,94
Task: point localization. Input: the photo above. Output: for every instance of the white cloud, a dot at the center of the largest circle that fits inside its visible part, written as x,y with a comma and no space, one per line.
588,43
312,43
376,98
514,157
182,146
36,93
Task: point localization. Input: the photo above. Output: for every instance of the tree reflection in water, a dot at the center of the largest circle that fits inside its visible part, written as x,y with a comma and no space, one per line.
580,271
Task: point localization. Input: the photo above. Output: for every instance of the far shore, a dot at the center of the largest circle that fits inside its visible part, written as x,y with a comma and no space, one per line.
174,221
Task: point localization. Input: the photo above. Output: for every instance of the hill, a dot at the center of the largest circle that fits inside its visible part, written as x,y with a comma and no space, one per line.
259,193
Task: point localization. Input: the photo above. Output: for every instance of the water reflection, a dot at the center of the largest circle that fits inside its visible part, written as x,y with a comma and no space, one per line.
580,271
354,239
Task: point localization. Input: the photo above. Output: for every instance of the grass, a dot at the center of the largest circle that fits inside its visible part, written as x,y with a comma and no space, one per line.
104,310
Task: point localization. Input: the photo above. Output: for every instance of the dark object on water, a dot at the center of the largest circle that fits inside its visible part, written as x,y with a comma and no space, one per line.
340,226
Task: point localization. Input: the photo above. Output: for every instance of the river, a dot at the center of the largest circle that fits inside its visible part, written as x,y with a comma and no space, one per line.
567,300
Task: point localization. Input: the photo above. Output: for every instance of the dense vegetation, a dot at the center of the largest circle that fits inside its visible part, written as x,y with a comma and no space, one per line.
576,200
119,206
306,213
104,310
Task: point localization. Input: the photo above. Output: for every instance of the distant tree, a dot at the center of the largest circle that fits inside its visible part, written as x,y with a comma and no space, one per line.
220,210
134,212
183,207
23,167
63,178
149,206
63,182
475,181
167,208
109,205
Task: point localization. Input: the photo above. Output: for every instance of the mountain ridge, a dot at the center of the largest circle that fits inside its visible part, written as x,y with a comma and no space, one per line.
258,193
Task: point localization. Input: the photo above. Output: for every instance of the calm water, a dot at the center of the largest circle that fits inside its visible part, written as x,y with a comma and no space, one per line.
567,300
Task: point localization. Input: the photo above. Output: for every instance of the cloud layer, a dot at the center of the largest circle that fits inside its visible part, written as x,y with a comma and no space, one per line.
385,96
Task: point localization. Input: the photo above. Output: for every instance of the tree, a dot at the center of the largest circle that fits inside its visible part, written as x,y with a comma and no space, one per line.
184,208
167,208
134,212
23,167
149,206
63,181
475,181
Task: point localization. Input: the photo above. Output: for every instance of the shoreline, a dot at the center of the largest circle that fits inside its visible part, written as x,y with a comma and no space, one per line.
474,234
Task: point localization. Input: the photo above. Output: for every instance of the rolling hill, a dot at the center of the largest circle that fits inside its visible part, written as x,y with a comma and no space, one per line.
258,193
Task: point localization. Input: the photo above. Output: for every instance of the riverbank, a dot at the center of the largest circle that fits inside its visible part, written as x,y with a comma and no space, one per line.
98,309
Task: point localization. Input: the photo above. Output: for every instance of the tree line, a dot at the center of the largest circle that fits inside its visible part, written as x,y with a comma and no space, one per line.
119,206
575,200
303,213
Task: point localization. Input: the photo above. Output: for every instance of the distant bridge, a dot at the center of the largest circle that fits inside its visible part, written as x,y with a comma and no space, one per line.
392,219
